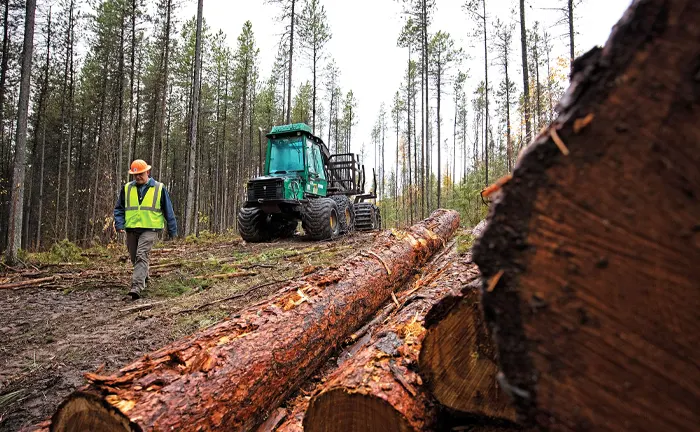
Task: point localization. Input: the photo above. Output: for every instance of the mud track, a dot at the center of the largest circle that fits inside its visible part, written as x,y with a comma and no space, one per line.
78,320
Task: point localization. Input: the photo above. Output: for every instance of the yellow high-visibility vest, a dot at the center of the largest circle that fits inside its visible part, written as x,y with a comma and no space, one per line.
148,214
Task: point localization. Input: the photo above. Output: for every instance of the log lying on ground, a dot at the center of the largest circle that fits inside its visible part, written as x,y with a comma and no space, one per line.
378,388
232,375
598,244
457,360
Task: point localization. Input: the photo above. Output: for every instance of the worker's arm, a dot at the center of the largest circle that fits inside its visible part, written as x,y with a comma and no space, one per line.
119,211
168,213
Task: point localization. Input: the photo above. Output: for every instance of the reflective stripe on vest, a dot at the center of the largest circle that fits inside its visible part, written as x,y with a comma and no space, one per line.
148,214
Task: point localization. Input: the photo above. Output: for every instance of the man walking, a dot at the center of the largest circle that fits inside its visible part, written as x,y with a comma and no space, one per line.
142,211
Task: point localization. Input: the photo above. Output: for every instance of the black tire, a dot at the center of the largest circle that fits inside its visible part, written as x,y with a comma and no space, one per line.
283,227
320,219
365,216
252,225
346,213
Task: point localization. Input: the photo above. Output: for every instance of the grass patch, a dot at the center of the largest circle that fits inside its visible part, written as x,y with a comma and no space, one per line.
189,324
174,286
464,241
206,237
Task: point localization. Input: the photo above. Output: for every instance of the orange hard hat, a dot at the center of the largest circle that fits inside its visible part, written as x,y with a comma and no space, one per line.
139,166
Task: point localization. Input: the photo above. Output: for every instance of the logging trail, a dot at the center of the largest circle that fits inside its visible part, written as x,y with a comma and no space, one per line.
59,320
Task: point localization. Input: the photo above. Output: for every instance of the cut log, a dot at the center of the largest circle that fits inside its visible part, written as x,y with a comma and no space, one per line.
378,388
596,313
232,375
457,360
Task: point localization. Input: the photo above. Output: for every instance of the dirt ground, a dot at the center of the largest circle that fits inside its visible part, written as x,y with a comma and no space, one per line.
73,317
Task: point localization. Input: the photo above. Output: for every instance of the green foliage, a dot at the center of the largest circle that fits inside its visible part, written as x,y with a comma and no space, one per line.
175,286
191,323
464,241
65,251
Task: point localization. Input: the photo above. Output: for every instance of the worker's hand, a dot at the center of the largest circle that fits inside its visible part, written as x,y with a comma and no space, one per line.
120,230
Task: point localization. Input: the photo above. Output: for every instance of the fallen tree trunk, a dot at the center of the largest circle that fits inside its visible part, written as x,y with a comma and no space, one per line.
597,239
232,375
378,388
457,360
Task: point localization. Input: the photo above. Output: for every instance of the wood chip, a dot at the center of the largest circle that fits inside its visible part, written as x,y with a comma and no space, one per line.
494,281
581,123
555,137
496,186
393,297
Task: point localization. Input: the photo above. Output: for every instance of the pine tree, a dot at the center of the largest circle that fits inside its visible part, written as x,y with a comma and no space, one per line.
504,37
18,177
190,210
314,34
442,55
477,9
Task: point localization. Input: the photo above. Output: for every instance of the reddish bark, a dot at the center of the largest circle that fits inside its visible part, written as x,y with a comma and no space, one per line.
232,375
378,389
597,239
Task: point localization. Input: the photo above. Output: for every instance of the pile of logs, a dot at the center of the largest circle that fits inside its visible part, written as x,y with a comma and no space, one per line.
396,327
235,375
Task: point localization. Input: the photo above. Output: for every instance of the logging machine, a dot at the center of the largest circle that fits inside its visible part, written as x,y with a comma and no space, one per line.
304,182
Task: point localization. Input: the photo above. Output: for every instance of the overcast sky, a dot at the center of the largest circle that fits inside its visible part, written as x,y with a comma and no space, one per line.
364,42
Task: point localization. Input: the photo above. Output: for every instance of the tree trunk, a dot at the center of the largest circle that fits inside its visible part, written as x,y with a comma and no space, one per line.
41,126
486,97
378,388
439,143
570,14
132,72
313,96
231,375
71,95
509,145
291,62
191,162
3,75
14,238
590,264
526,82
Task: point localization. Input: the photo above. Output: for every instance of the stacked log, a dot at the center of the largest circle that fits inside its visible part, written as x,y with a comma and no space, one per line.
590,258
234,374
379,388
457,359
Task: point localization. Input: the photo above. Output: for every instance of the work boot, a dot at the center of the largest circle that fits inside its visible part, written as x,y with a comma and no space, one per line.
134,293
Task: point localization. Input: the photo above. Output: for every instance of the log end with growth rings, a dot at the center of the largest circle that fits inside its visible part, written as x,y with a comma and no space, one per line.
86,412
352,411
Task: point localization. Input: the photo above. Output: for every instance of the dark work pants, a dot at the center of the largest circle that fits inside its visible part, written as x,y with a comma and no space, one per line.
139,245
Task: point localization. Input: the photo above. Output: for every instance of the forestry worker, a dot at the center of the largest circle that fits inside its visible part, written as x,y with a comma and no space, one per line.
143,210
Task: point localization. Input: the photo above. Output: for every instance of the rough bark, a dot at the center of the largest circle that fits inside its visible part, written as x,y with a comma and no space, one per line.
14,237
232,375
377,388
597,240
194,123
457,359
526,82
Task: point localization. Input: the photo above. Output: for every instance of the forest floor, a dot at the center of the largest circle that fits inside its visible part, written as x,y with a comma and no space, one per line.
72,314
